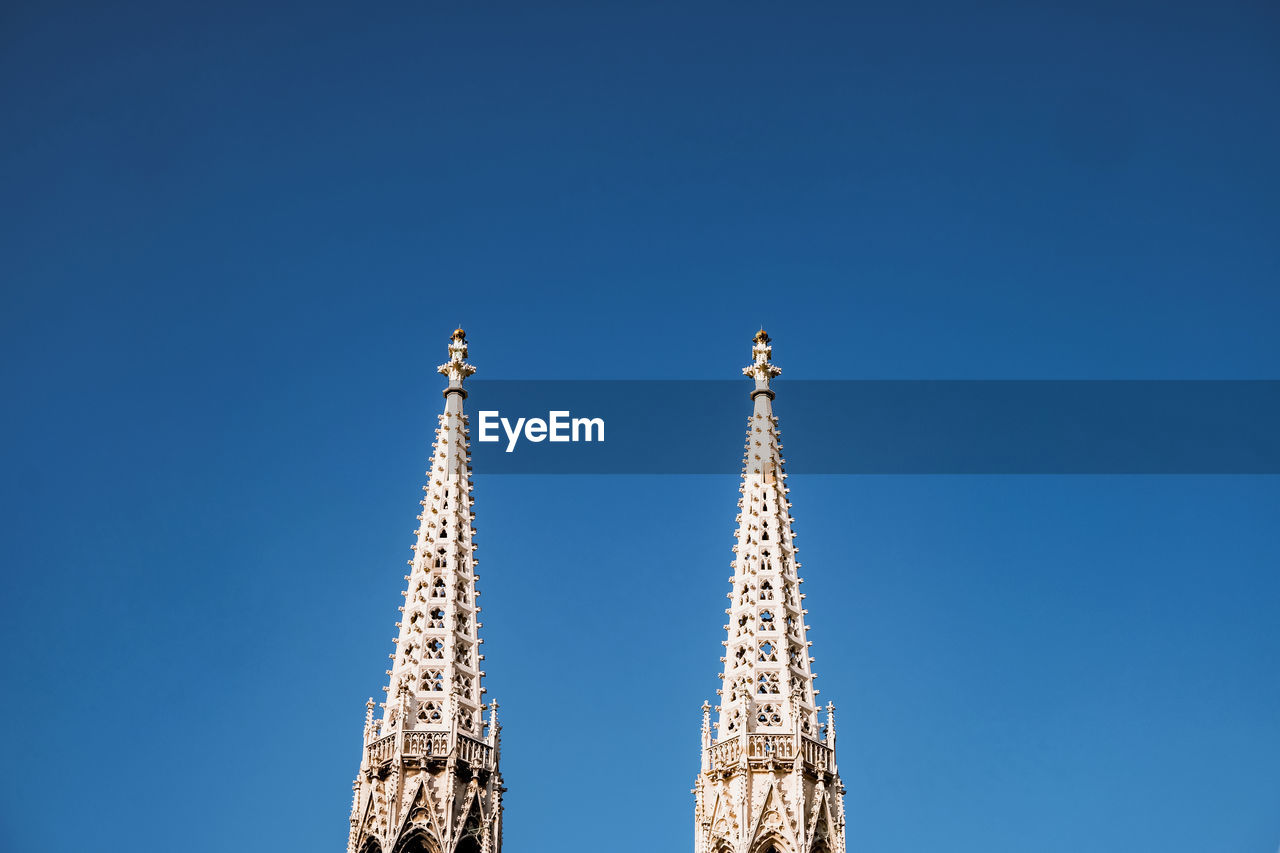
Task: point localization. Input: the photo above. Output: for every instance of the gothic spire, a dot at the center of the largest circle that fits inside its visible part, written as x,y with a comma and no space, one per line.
430,765
436,672
768,684
768,778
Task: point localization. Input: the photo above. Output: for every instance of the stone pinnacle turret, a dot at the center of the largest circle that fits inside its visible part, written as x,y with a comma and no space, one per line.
429,777
769,776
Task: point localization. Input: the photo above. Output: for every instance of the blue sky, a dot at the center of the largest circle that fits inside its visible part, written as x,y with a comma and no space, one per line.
234,241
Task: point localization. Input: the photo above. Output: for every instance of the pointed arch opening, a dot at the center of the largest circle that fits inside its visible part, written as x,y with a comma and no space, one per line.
417,841
469,841
771,843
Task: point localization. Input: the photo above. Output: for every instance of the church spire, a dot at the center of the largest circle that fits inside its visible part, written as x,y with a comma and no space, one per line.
769,775
768,662
429,775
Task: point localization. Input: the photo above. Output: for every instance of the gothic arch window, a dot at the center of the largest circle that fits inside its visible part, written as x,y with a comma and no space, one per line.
768,682
766,591
772,846
768,652
435,648
438,588
430,712
436,618
734,719
766,620
433,681
768,715
417,842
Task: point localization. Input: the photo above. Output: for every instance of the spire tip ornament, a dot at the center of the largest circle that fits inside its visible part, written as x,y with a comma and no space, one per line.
456,368
762,369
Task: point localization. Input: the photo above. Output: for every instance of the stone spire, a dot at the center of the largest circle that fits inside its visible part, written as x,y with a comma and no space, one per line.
769,776
429,777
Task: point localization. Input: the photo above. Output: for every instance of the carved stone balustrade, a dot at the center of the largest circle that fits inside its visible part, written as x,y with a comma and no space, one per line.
427,744
382,749
725,754
421,744
771,747
474,752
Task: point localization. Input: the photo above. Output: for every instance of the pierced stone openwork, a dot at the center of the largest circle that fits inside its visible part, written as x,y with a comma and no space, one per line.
433,748
768,769
768,682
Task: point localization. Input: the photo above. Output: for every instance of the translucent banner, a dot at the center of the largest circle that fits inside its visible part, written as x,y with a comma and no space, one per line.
879,427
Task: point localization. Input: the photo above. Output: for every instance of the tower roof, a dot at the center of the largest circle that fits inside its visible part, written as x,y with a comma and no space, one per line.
435,677
768,683
429,773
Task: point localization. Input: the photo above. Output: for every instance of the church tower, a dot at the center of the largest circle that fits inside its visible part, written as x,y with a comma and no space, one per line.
768,782
429,779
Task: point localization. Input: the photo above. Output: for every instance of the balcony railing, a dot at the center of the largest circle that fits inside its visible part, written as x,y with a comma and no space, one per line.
426,744
432,745
382,749
763,747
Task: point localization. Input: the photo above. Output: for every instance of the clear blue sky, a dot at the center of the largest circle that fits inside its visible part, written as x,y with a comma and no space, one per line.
234,240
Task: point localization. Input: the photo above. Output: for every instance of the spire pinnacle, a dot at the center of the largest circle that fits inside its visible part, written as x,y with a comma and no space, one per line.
762,369
456,368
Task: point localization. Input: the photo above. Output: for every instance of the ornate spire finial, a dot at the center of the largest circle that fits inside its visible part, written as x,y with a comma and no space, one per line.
456,368
761,369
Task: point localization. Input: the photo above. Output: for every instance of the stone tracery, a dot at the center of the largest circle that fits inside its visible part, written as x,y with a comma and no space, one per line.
429,780
765,770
